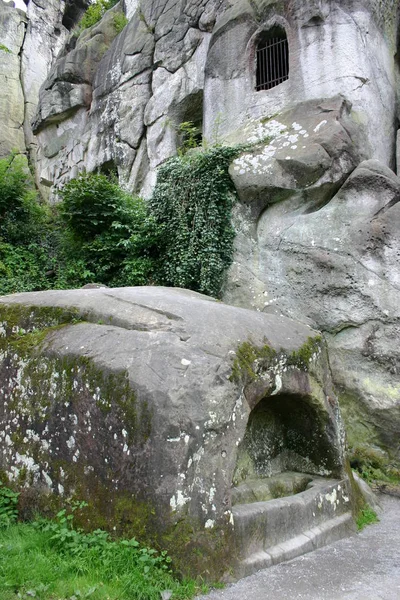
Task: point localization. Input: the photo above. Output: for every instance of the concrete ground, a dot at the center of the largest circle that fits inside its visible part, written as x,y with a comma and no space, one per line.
363,567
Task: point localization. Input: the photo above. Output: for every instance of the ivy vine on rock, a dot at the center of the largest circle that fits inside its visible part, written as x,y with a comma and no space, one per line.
192,206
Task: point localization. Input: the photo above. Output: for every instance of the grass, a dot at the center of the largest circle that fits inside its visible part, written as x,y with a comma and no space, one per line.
366,516
39,560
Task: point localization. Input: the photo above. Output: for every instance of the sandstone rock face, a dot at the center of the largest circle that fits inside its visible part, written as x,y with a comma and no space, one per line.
181,61
143,86
12,27
142,396
336,265
34,39
345,48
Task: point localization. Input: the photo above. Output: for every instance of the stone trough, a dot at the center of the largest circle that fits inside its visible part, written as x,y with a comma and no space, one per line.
162,408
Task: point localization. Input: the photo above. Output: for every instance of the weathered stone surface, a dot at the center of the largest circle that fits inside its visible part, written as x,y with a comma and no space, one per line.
305,154
338,266
34,37
134,393
179,60
345,48
12,31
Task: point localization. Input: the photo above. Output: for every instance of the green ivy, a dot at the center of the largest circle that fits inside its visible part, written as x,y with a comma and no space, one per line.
192,206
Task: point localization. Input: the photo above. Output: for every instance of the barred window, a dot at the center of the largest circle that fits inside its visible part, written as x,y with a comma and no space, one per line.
272,59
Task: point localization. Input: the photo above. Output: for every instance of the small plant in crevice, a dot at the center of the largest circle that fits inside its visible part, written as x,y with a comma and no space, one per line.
366,516
191,207
95,12
120,21
191,137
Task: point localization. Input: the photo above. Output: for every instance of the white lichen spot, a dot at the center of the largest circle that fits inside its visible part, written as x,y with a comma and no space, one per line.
209,524
60,489
332,497
321,124
71,442
278,384
124,433
47,479
185,362
178,500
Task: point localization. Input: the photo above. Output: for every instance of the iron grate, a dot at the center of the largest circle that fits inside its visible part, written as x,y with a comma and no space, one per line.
272,56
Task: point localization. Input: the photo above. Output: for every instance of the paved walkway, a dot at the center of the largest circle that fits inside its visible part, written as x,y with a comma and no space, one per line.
363,567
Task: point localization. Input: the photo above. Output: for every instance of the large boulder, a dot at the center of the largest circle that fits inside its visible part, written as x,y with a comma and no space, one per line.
138,399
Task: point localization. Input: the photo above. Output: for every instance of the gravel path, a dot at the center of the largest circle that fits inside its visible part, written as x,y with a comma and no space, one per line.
363,567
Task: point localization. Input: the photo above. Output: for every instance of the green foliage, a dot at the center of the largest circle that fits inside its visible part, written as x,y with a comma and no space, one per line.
191,137
4,48
61,561
366,516
183,237
120,21
25,238
304,355
191,207
95,13
374,467
8,506
105,235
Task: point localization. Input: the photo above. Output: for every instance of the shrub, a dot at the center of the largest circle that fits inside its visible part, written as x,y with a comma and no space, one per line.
191,206
25,254
106,235
95,13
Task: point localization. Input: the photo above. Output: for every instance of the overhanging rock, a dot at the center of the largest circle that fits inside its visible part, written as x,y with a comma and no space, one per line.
153,403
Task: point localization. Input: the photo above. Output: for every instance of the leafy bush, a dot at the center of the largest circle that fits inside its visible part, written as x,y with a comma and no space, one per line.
95,13
25,256
98,233
191,206
106,235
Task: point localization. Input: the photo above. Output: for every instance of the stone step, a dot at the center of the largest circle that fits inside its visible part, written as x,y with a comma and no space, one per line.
328,532
269,488
272,531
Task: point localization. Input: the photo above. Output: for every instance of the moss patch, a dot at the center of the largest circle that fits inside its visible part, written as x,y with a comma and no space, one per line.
251,360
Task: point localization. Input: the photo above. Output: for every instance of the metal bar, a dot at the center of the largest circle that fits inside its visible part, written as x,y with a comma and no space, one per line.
272,63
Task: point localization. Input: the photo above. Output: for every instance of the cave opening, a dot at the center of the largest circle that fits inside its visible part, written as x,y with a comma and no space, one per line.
287,441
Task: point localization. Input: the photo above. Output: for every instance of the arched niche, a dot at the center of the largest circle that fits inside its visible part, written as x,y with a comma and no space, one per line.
272,58
287,433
